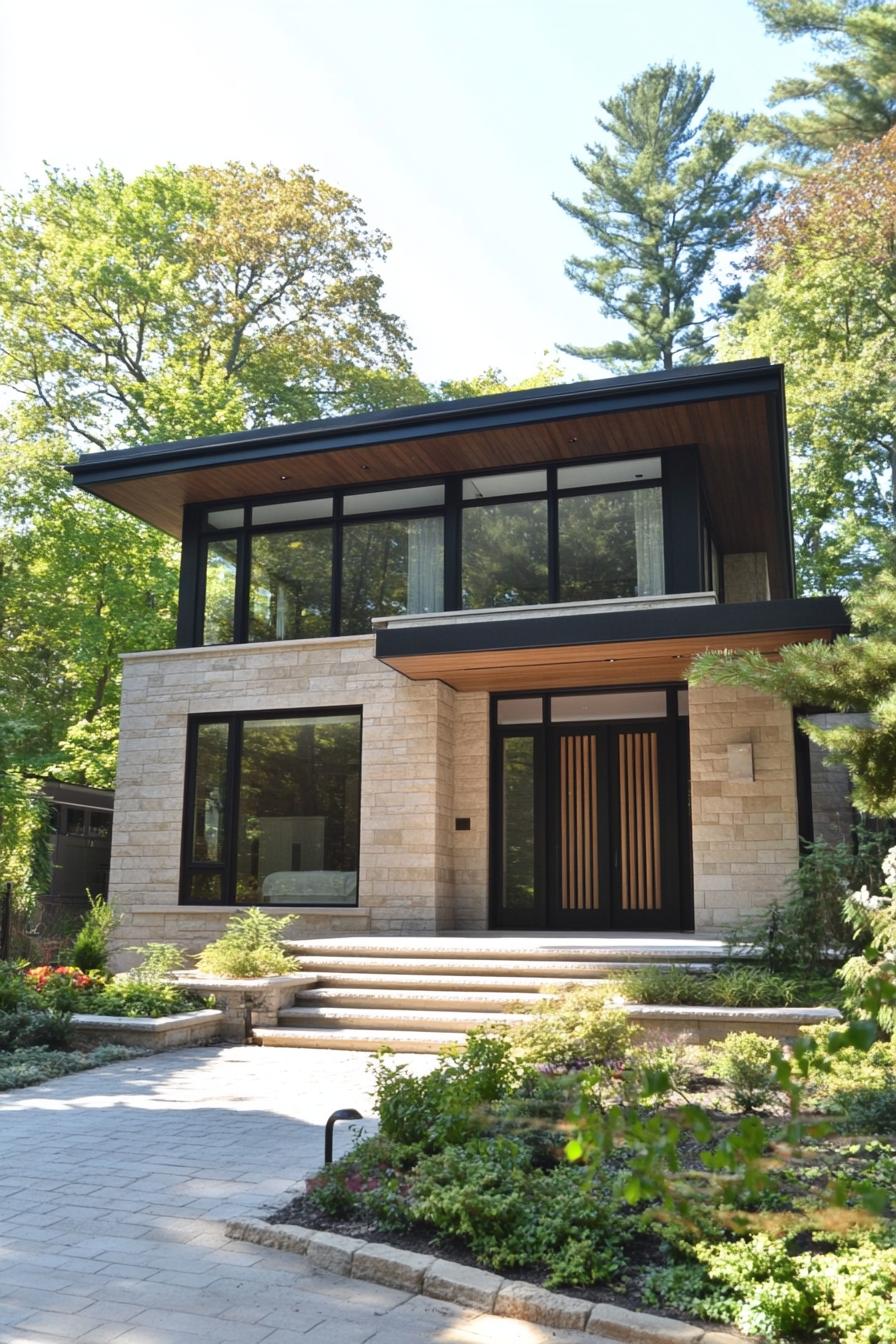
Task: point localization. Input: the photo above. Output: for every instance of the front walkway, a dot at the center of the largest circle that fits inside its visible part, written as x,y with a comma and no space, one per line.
114,1185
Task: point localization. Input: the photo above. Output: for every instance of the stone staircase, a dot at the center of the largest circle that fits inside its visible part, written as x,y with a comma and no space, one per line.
418,994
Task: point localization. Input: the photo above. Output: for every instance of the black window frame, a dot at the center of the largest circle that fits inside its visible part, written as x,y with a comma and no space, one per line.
226,869
682,511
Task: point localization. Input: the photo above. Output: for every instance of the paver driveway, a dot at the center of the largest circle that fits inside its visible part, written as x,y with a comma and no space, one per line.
114,1185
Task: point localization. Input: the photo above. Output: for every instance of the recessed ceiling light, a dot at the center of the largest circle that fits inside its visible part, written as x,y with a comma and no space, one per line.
284,478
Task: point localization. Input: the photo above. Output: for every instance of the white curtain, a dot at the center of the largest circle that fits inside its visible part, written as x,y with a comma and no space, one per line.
426,565
649,542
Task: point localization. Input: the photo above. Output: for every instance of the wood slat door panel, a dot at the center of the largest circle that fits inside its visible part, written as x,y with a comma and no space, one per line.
639,822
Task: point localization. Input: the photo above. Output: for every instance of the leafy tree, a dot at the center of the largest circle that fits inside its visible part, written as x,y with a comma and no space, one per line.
825,305
190,301
851,96
855,672
662,202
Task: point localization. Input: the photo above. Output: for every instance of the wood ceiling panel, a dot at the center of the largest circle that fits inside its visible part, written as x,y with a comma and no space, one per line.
641,662
732,436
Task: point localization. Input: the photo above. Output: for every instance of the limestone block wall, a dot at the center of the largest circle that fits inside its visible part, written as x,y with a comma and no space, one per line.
745,831
406,878
471,786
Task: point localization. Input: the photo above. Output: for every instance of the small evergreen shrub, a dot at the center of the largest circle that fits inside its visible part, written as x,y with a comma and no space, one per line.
743,1061
126,998
26,1027
157,960
90,949
250,946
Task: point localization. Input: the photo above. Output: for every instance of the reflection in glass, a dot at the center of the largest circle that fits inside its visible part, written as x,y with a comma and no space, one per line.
205,889
290,584
209,792
518,826
611,545
220,591
299,800
390,567
505,554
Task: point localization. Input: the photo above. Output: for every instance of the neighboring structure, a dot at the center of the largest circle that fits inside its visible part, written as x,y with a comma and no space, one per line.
80,838
432,665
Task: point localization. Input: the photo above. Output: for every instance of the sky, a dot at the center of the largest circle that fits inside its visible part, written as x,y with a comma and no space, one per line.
453,121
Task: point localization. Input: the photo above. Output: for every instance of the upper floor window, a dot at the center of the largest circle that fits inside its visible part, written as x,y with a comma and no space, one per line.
329,564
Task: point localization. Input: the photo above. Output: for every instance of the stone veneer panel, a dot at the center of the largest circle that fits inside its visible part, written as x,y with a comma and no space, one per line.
744,831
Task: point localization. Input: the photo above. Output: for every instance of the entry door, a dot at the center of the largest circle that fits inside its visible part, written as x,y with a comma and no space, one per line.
612,826
588,828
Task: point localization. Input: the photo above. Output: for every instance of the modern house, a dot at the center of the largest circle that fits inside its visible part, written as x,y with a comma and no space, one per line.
432,666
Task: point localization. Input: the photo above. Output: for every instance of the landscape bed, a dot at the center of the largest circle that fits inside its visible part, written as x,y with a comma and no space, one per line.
663,1179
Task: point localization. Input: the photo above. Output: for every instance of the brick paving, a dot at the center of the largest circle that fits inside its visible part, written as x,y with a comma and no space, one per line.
114,1188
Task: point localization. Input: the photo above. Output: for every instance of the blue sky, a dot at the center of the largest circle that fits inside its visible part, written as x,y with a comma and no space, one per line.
452,120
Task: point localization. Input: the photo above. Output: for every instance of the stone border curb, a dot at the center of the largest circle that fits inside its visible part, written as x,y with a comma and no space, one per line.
468,1287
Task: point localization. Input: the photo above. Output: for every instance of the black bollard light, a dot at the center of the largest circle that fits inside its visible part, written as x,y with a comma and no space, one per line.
348,1114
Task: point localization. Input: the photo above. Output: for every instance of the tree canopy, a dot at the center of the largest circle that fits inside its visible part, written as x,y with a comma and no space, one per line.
825,305
192,301
662,202
850,95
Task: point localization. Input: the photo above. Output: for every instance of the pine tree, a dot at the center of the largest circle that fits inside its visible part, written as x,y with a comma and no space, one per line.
661,204
851,96
854,673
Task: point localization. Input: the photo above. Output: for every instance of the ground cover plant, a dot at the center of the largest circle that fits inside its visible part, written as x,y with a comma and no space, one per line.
744,1183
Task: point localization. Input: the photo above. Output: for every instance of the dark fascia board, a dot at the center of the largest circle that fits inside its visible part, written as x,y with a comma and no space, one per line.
540,632
500,410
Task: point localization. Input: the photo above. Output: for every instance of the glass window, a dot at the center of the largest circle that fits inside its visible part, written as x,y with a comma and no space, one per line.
100,825
390,501
609,473
298,811
390,567
223,520
220,591
204,889
505,554
505,483
210,793
521,711
518,827
611,545
290,586
74,821
608,705
682,704
296,511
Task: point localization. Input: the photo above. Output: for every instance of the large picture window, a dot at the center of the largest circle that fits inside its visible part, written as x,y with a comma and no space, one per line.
324,565
273,809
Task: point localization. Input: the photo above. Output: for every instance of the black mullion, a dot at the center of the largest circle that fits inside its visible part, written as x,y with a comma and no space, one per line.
189,809
452,543
336,579
234,756
241,597
553,537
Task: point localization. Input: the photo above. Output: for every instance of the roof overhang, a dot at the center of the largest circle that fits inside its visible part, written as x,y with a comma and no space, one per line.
621,649
732,413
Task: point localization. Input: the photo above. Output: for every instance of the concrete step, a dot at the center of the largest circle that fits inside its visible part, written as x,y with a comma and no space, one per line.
393,1019
462,984
422,997
420,967
610,949
363,1038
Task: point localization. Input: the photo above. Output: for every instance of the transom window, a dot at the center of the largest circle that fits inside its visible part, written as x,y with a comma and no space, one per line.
324,565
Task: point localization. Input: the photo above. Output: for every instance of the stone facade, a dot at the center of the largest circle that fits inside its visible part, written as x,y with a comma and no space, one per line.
745,835
425,751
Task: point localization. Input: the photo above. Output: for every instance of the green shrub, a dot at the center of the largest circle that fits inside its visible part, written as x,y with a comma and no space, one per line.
743,1061
24,1068
449,1104
157,960
26,1027
748,986
573,1028
869,1110
688,1288
14,988
370,1182
127,998
90,949
250,946
511,1214
661,984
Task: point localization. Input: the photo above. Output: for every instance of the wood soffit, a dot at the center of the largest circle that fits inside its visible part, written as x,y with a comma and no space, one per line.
633,663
